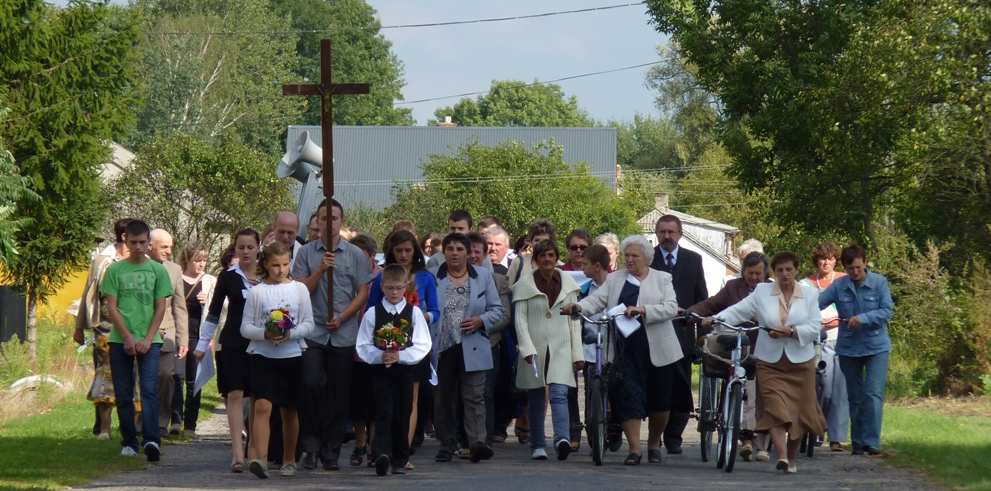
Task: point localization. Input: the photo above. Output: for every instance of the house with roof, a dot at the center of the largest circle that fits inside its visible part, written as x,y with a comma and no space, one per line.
712,240
370,160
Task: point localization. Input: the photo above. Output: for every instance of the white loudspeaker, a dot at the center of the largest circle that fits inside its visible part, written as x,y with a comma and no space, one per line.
301,159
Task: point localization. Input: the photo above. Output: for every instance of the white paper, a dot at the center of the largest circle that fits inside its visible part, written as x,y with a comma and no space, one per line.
205,371
536,369
624,324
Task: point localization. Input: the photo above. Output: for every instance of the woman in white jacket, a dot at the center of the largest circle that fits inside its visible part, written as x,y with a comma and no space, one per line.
785,356
550,347
647,357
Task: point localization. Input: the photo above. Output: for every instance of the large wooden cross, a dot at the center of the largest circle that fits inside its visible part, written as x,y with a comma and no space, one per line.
326,89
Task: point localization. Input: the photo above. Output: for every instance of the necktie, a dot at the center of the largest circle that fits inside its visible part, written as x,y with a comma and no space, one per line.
670,259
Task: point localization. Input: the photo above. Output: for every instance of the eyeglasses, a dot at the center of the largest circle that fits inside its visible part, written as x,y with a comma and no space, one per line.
577,247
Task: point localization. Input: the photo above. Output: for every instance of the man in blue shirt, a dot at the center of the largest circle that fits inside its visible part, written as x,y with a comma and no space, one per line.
863,301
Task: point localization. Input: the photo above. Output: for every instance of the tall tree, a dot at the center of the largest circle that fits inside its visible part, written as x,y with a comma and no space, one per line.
647,143
13,188
361,54
200,191
812,103
515,103
70,77
516,184
213,68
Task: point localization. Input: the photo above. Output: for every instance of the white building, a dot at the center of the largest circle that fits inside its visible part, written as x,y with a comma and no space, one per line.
712,240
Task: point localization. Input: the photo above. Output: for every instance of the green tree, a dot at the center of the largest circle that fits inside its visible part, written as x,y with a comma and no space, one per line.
515,103
516,184
218,86
647,143
70,78
361,54
200,191
13,188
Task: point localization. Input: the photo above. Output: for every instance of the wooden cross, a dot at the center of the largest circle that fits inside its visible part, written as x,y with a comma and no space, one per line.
326,89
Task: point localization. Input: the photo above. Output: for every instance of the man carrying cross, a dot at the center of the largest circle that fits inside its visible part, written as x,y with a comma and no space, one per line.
337,274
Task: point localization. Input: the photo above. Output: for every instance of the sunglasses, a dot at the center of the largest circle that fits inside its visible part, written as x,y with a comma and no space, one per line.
577,247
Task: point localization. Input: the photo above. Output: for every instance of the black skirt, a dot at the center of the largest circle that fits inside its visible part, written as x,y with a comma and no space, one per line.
233,371
277,380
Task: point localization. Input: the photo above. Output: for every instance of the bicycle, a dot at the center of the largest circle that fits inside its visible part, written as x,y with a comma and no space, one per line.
729,406
812,440
598,373
706,413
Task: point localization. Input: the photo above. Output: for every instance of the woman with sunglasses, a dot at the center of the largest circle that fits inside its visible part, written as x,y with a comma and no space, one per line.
577,241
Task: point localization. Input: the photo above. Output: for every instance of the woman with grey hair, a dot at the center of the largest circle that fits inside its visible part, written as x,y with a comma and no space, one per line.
611,243
646,359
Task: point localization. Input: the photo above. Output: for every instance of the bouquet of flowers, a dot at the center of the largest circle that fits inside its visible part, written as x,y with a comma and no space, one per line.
391,337
279,323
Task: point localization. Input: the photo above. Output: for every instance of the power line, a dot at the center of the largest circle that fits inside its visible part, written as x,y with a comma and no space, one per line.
569,77
412,26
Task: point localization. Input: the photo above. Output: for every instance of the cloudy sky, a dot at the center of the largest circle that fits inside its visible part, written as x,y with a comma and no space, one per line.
457,59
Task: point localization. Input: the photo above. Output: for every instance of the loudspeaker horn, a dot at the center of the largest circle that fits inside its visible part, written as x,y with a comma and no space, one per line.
301,159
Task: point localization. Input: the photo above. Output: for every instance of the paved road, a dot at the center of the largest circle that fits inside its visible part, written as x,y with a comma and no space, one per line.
202,464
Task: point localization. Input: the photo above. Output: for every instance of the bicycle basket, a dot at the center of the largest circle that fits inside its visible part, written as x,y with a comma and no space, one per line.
718,354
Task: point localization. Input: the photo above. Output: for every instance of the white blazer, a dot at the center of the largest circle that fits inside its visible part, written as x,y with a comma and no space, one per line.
764,304
658,297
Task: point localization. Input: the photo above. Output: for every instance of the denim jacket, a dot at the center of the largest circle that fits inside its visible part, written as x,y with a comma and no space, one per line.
871,303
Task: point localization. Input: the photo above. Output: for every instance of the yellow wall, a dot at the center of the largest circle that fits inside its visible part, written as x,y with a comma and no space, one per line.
58,304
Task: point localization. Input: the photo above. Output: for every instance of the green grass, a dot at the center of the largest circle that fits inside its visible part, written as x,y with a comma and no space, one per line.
56,449
951,448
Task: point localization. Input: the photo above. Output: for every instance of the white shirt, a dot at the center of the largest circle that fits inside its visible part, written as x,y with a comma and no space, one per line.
673,253
262,299
371,354
765,304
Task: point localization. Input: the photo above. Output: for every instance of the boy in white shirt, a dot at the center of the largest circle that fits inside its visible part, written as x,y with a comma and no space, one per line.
393,337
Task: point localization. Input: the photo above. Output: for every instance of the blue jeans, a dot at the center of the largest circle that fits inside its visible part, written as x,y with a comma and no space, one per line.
837,407
866,377
559,414
122,371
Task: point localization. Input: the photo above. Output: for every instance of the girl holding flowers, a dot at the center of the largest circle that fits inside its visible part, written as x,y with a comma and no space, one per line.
277,316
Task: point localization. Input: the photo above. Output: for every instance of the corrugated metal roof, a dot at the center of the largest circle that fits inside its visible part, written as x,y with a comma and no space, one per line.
369,159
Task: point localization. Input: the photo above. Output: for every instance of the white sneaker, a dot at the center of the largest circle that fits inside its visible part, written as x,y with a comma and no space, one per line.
128,452
539,454
288,470
103,436
762,456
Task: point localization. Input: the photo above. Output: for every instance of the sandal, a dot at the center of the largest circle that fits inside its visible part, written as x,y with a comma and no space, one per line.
632,459
358,456
237,467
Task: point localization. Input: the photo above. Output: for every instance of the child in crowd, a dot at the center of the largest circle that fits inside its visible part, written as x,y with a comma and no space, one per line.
393,338
277,316
135,290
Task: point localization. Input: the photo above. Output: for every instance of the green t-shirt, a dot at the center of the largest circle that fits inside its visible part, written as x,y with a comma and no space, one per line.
136,287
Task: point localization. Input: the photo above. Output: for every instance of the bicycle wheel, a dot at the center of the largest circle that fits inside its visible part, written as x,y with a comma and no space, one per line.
734,407
720,423
810,443
595,419
707,410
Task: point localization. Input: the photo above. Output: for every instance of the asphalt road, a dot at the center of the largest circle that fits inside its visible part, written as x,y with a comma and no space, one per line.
203,464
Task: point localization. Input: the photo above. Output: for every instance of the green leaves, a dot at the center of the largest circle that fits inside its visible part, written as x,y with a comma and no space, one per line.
516,184
515,103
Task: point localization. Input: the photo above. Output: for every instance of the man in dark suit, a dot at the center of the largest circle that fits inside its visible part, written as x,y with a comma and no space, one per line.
685,268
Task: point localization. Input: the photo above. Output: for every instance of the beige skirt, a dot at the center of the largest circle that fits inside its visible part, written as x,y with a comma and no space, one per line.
788,398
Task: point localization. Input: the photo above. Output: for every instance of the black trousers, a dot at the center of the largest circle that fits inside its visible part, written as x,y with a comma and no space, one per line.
392,389
326,401
680,405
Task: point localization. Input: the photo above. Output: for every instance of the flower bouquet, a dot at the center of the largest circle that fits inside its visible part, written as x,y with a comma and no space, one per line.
391,337
279,323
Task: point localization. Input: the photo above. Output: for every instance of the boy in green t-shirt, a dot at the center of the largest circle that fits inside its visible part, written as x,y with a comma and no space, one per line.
136,290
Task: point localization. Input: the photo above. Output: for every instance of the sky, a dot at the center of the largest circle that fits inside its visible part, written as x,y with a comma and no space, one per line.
449,60
441,61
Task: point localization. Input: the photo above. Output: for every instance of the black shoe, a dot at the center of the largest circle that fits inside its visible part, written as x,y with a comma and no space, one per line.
152,452
614,437
674,449
258,469
632,459
858,450
563,449
309,460
481,451
330,463
872,451
443,455
399,469
382,465
654,456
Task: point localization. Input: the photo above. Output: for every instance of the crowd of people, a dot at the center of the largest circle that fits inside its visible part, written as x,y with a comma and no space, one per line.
461,337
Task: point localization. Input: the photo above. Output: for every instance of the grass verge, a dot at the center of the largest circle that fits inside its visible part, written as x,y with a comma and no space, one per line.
55,448
948,439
